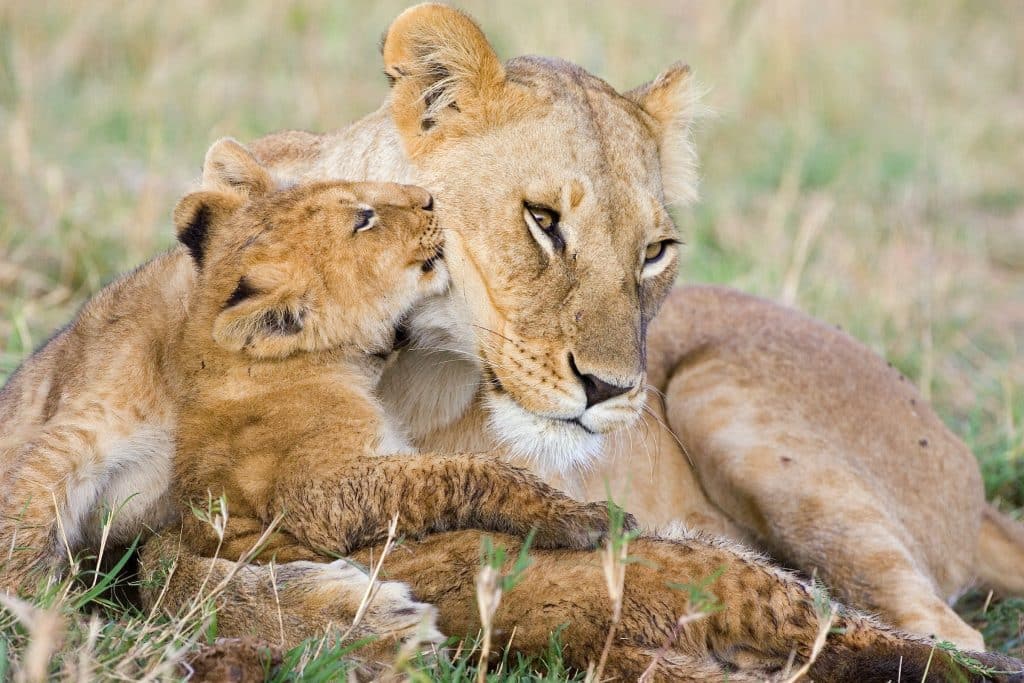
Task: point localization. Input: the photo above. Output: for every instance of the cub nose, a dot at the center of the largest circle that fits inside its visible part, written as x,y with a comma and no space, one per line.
596,389
416,197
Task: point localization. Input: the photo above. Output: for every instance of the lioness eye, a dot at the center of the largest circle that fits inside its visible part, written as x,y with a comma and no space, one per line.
655,254
365,219
654,251
544,220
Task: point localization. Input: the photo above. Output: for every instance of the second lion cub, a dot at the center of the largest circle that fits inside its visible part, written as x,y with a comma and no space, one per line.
298,293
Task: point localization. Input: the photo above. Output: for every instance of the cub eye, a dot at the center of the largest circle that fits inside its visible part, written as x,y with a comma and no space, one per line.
544,221
365,219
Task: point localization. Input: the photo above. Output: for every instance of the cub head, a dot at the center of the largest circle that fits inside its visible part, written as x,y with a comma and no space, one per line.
310,267
554,190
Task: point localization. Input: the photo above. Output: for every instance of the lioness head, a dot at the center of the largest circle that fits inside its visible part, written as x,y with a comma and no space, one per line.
310,267
553,188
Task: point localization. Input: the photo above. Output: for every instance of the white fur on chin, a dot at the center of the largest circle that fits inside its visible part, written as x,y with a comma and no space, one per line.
551,446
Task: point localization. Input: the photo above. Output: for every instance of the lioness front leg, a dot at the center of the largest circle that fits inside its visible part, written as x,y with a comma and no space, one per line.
841,529
823,455
765,622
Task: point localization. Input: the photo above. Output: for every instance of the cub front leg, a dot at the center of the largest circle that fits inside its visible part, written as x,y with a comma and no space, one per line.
349,505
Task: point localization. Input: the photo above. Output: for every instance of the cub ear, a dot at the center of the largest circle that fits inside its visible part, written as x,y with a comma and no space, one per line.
230,167
195,216
441,67
265,323
673,100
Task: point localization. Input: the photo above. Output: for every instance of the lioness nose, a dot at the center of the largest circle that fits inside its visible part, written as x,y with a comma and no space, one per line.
596,389
429,206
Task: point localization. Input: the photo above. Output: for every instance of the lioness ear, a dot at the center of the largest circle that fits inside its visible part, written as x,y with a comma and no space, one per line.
230,167
441,67
195,215
264,323
673,100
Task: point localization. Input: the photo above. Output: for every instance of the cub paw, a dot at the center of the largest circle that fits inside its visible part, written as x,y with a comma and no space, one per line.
394,614
991,666
583,527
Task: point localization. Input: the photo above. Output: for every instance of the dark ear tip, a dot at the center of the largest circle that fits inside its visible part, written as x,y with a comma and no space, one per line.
193,228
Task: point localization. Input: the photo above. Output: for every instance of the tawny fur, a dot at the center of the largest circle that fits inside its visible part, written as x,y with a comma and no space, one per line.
489,253
261,368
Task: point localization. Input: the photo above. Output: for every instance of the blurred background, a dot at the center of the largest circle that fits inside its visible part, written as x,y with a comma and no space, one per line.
864,162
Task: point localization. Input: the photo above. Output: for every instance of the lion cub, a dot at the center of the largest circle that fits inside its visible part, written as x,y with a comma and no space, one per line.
298,295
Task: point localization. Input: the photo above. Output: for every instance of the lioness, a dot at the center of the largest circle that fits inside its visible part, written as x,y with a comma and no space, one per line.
298,294
760,423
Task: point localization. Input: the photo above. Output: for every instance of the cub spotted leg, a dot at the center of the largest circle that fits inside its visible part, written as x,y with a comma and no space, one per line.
431,492
310,599
767,619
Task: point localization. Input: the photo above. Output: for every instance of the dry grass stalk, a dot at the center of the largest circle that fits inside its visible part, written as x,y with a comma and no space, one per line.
488,598
613,562
814,218
277,601
374,586
819,643
46,629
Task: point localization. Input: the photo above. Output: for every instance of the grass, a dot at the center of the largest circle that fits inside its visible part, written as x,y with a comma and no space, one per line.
864,165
